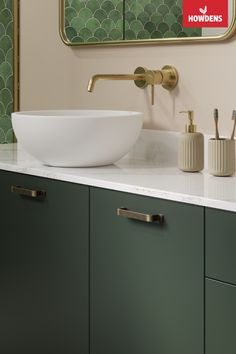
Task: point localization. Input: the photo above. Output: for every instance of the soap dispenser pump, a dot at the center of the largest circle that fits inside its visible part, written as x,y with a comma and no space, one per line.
191,147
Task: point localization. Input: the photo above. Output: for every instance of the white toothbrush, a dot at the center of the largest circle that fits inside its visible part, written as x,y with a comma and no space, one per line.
216,118
233,118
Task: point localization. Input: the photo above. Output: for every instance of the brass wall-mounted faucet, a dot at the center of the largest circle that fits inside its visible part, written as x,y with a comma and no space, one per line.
142,77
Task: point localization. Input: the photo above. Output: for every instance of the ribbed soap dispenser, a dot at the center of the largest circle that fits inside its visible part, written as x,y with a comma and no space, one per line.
190,147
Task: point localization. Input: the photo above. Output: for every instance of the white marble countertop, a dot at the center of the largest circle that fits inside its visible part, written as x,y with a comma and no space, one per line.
136,176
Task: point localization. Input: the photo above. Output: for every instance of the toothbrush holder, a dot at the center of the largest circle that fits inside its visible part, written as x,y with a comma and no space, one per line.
221,157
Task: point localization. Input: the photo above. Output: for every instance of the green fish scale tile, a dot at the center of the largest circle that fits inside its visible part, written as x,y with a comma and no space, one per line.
176,10
85,33
2,56
9,30
100,15
170,19
182,34
93,5
118,20
169,3
6,44
108,6
6,17
150,9
156,34
169,34
163,10
143,34
108,25
101,34
176,28
136,26
163,28
70,13
120,7
156,19
71,32
116,34
150,27
92,25
6,70
143,17
8,4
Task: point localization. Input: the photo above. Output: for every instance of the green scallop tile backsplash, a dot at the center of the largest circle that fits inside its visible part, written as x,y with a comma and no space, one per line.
6,70
94,20
116,20
150,19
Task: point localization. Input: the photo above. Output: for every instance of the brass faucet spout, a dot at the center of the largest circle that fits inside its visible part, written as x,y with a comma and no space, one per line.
95,78
167,77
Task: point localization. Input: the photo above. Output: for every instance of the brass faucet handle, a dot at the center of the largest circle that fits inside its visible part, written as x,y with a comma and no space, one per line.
140,70
152,95
170,77
150,77
167,77
154,77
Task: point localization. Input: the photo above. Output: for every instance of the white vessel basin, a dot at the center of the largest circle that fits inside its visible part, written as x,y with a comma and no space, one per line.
77,138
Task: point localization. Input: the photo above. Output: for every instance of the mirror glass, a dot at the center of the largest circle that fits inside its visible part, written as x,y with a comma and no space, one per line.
8,67
135,21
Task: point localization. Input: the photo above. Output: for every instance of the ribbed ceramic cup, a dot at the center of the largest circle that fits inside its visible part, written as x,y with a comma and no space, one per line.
221,157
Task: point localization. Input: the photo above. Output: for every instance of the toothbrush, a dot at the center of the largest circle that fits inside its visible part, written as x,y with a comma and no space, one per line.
233,118
216,118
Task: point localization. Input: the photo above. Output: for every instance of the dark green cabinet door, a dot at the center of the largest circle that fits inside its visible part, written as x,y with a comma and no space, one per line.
220,318
221,245
44,266
146,280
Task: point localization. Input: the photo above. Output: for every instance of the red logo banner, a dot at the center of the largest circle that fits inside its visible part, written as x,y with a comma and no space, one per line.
205,13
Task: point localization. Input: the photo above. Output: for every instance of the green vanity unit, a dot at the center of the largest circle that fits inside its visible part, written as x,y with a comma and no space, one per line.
76,277
146,279
44,266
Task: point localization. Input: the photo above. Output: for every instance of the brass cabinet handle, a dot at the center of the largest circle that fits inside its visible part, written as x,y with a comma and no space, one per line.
28,192
124,212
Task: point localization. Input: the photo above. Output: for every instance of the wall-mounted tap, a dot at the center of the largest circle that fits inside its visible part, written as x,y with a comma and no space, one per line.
142,77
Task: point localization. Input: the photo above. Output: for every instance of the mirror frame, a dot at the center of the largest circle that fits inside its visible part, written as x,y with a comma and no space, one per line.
227,35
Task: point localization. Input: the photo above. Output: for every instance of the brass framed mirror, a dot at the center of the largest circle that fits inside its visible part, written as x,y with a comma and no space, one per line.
9,63
117,22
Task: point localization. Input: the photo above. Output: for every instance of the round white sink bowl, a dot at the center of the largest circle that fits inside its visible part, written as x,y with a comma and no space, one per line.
77,138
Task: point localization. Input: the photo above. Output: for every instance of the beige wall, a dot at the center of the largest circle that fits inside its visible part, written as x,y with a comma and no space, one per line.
55,76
